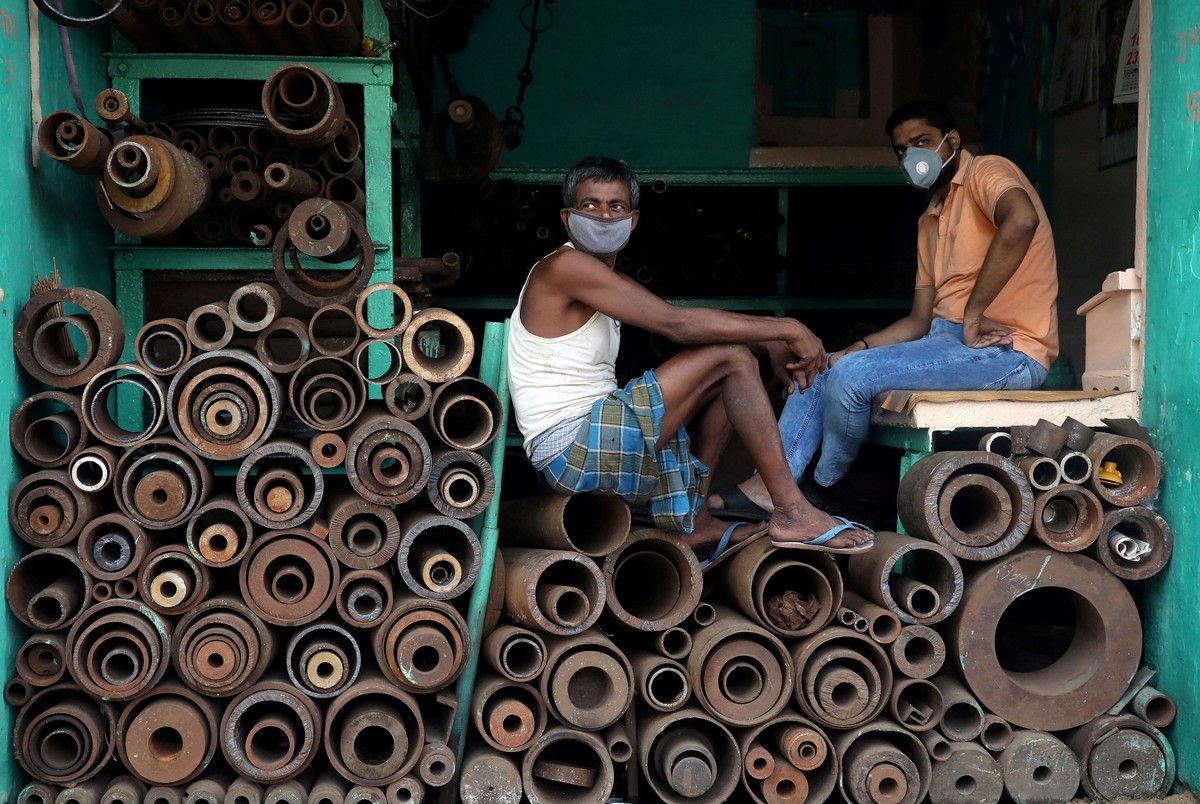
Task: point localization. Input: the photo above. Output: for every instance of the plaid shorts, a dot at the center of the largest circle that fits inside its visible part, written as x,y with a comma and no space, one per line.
615,452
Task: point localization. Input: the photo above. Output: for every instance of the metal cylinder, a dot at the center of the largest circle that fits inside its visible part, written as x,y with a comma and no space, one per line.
438,557
1152,706
842,679
66,137
62,737
564,764
883,762
997,444
219,533
308,100
1067,518
438,346
674,643
1135,543
1042,473
661,683
287,179
323,659
221,647
882,625
871,574
252,307
47,429
461,483
975,504
514,653
362,534
37,793
41,659
162,346
333,330
588,681
653,582
464,412
408,397
394,326
289,577
159,484
556,591
1038,767
44,341
1072,638
270,732
283,345
47,589
969,776
169,735
686,756
374,732
488,777
118,649
150,188
422,645
92,469
337,27
244,791
160,794
279,485
916,704
740,673
387,459
593,524
46,510
1075,467
508,716
207,790
364,598
378,361
172,581
332,232
1122,757
963,717
1134,474
225,404
124,789
436,765
996,733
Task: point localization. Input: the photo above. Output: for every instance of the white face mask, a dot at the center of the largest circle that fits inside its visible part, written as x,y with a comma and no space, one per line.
600,237
922,166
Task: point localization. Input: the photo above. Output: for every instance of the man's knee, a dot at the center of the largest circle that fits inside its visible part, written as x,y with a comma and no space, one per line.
845,385
725,358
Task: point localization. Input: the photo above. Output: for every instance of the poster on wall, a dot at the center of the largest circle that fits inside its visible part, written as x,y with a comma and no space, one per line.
1073,75
1125,88
1118,121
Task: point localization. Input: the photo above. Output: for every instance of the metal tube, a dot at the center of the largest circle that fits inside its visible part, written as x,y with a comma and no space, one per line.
1122,757
842,678
438,557
871,574
576,759
1135,543
661,683
515,653
740,673
883,762
1067,518
1152,706
688,756
169,735
273,732
374,732
1135,472
464,412
488,777
507,715
593,524
1037,766
653,582
968,775
527,570
588,681
917,704
421,644
996,733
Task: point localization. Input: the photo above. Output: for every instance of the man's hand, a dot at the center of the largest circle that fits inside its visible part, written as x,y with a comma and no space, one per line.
785,366
810,355
982,331
857,346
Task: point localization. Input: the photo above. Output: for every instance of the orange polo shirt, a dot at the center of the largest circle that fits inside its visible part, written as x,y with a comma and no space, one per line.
954,236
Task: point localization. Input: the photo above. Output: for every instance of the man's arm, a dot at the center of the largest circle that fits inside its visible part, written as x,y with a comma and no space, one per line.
1016,221
587,280
912,326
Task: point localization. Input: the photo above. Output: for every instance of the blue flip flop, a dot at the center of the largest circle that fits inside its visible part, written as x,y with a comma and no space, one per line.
724,549
820,544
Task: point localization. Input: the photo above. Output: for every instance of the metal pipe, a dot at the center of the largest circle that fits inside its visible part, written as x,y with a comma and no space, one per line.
41,659
421,645
871,574
968,776
916,704
996,733
364,598
62,737
592,524
362,534
461,483
1075,467
661,683
207,790
272,20
47,590
70,139
1135,472
883,762
919,651
1135,543
529,571
1067,518
962,720
270,733
310,101
337,27
740,673
46,510
437,345
244,791
687,756
47,428
883,625
653,582
373,732
464,413
1152,706
436,766
576,760
169,735
438,557
674,643
507,715
1122,757
588,681
162,346
387,459
172,581
842,678
1037,766
289,577
299,18
1042,473
222,647
240,22
283,346
515,653
488,777
397,324
124,789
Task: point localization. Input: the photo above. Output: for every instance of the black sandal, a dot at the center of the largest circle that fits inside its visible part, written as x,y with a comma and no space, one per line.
738,507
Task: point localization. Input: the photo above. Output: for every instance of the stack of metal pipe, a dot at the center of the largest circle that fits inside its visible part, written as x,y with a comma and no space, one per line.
217,176
301,27
988,653
244,580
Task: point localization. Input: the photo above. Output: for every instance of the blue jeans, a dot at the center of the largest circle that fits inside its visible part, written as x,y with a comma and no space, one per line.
834,414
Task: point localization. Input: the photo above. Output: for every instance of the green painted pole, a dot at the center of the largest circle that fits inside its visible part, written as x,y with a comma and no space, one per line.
493,370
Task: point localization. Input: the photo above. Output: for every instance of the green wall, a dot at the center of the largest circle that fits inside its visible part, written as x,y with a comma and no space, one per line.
610,78
49,217
1172,356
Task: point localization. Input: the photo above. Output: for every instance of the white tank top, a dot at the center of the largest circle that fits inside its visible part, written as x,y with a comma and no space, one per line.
554,379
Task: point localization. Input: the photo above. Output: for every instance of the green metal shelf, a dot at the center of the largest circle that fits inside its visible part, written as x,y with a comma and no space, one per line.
366,71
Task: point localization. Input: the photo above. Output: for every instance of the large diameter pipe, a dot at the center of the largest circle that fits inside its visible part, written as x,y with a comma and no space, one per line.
47,590
592,524
160,483
374,732
790,595
653,582
1067,518
1036,592
843,678
1038,767
221,647
422,646
874,576
438,557
508,716
303,105
661,683
47,428
740,672
465,413
62,736
1134,543
46,510
271,733
975,504
882,761
554,591
118,649
588,681
169,735
437,346
687,756
461,483
917,704
962,720
567,765
515,653
1123,757
798,745
289,577
1127,471
387,459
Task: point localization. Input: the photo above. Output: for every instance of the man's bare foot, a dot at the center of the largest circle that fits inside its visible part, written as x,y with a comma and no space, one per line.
805,523
709,530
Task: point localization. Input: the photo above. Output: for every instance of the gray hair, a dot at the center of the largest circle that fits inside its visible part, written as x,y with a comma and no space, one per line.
602,168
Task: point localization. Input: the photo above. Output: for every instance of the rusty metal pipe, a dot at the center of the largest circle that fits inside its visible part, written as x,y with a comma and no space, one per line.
173,17
118,649
1067,518
333,232
244,791
1042,473
270,733
962,720
172,581
1075,467
508,716
289,577
919,651
1122,757
592,524
1135,472
253,307
588,681
286,179
47,589
740,672
1135,543
996,733
436,765
283,345
364,598
871,574
124,789
843,678
566,761
373,732
310,101
921,601
883,762
92,469
361,794
371,350
1037,766
333,330
162,346
968,776
301,22
42,339
653,582
70,139
438,557
323,659
883,625
674,643
916,704
1152,706
327,394
661,683
159,484
41,659
47,428
62,736
219,533
337,27
461,483
169,735
488,777
208,790
209,327
46,510
422,644
362,534
163,795
437,345
464,413
112,547
328,789
528,570
397,324
99,404
514,653
279,485
222,647
1038,592
687,756
112,105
